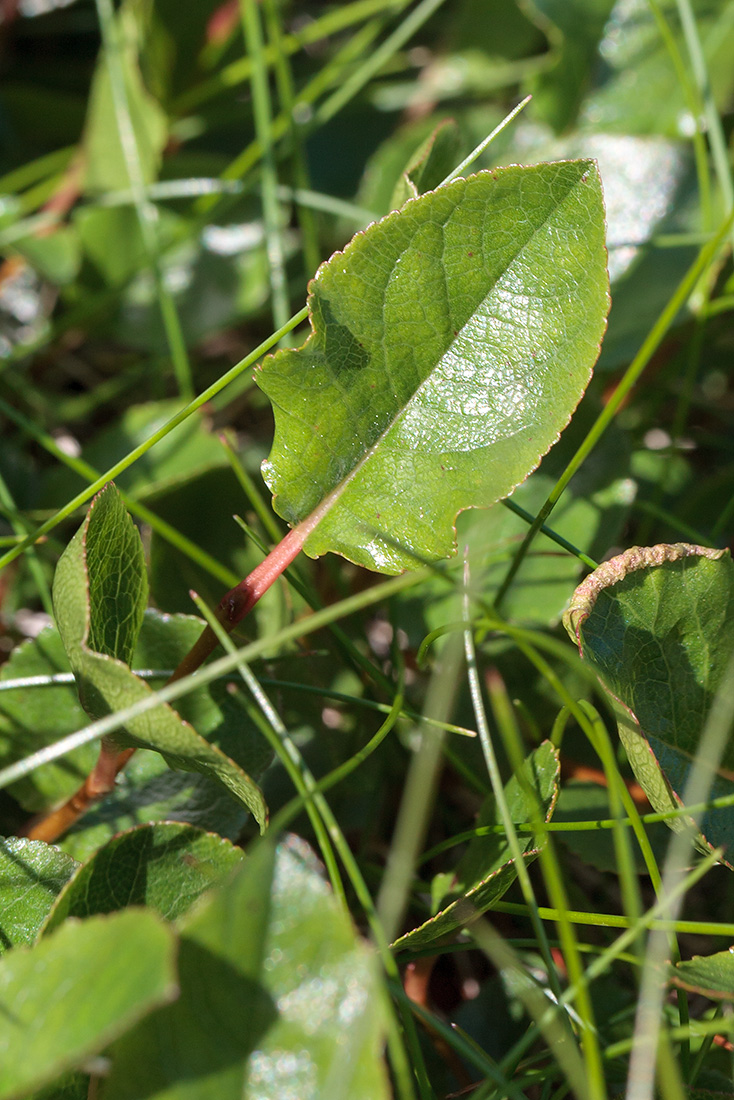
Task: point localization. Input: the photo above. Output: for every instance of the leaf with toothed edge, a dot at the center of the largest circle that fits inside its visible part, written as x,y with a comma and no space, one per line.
451,343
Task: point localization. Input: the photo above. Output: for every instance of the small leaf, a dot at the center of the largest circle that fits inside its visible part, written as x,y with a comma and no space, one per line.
487,870
91,608
164,867
32,874
69,996
451,342
429,165
657,624
710,975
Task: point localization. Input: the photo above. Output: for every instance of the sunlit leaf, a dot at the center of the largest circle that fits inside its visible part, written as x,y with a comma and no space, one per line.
73,993
451,343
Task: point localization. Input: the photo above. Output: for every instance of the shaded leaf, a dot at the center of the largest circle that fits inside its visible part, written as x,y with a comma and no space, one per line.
429,165
99,551
451,343
34,716
657,624
32,874
111,970
575,27
106,163
164,867
487,870
39,714
182,454
148,791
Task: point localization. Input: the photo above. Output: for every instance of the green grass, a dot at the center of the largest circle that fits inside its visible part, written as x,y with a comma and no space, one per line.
276,145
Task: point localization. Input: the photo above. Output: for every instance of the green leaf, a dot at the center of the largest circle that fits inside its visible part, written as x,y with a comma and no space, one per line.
198,1046
657,625
327,1040
39,714
106,163
148,791
32,874
273,934
710,975
95,609
640,90
575,27
116,584
451,343
429,165
34,716
164,867
112,238
487,869
56,256
69,996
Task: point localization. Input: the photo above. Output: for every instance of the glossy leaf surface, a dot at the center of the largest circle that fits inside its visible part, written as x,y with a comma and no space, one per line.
451,343
32,874
657,624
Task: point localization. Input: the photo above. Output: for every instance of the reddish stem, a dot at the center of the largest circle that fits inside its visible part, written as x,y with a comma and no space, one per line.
237,603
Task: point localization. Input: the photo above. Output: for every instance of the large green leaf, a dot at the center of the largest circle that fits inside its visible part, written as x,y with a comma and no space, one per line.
32,874
487,869
657,624
69,996
164,866
98,589
451,343
327,1040
273,935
